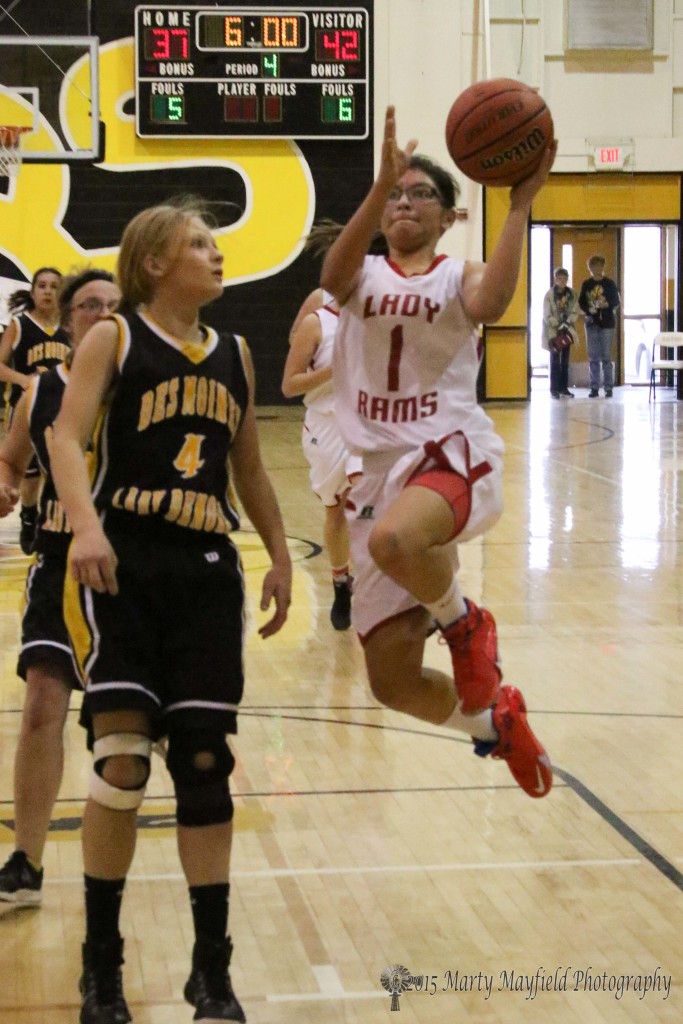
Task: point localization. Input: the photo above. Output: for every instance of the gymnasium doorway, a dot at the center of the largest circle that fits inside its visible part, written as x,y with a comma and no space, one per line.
641,258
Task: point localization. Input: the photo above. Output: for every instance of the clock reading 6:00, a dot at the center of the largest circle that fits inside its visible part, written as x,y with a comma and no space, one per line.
253,32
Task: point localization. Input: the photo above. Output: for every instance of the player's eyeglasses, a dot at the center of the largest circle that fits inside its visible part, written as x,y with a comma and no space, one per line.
97,306
414,194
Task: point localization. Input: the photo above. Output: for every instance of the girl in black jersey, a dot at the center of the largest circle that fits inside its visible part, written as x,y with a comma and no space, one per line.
32,342
157,613
45,660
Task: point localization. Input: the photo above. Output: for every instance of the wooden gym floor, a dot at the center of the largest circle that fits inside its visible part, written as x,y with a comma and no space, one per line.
365,840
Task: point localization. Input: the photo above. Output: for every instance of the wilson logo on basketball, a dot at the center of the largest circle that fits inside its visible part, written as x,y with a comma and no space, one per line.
534,141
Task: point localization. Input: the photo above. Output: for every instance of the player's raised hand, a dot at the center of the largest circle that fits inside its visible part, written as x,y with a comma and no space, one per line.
525,190
394,161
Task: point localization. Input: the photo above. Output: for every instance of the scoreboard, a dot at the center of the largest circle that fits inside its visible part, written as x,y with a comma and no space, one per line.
260,72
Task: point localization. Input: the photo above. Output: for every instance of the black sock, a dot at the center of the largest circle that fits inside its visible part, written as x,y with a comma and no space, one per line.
102,908
210,910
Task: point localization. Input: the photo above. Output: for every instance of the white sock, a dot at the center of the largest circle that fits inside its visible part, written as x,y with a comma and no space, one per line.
449,607
479,726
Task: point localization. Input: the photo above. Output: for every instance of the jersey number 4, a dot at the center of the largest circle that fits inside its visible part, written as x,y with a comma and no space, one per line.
188,462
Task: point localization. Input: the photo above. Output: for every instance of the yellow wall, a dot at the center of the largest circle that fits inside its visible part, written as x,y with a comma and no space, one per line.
506,362
506,343
620,197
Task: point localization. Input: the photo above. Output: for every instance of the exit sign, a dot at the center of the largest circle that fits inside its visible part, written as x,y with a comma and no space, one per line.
610,158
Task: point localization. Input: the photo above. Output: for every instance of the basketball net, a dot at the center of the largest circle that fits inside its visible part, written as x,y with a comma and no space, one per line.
10,149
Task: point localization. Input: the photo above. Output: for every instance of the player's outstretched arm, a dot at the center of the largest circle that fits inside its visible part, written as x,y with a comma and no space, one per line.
298,378
92,561
488,287
258,499
314,300
345,258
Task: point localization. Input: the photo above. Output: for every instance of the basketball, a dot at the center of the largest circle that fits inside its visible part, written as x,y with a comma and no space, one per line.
497,131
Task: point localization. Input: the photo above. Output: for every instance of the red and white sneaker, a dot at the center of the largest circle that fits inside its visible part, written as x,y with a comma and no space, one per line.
525,756
474,652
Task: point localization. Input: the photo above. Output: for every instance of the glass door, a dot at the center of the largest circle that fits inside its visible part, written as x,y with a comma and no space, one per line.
643,297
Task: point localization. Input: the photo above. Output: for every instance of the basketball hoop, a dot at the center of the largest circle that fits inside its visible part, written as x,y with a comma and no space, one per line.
10,149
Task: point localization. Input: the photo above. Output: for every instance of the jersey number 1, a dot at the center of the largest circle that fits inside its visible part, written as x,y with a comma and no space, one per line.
395,357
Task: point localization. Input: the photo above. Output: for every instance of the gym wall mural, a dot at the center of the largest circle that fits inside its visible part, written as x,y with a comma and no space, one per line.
265,192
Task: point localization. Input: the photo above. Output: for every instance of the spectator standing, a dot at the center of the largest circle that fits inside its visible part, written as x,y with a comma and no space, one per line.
560,313
599,300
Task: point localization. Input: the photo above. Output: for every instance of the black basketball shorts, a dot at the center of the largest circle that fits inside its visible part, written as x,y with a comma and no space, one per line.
170,642
44,636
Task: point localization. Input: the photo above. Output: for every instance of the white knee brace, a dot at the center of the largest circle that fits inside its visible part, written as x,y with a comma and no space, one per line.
129,744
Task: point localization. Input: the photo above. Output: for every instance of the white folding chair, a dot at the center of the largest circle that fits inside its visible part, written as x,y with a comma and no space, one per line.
661,359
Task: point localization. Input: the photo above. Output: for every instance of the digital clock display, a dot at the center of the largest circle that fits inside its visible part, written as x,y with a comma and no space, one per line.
301,71
249,32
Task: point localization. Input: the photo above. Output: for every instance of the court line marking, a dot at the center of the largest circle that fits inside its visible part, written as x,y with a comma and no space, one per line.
655,858
328,979
389,869
275,710
331,988
641,845
324,997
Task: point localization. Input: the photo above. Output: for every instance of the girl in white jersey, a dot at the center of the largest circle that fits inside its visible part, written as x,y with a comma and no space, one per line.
308,372
405,366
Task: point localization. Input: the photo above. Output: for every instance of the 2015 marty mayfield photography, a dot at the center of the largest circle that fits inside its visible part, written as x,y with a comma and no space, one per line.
562,979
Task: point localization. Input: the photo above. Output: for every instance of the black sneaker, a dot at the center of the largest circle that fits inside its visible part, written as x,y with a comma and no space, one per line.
209,988
101,985
608,393
340,614
27,529
593,393
20,883
554,394
567,393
